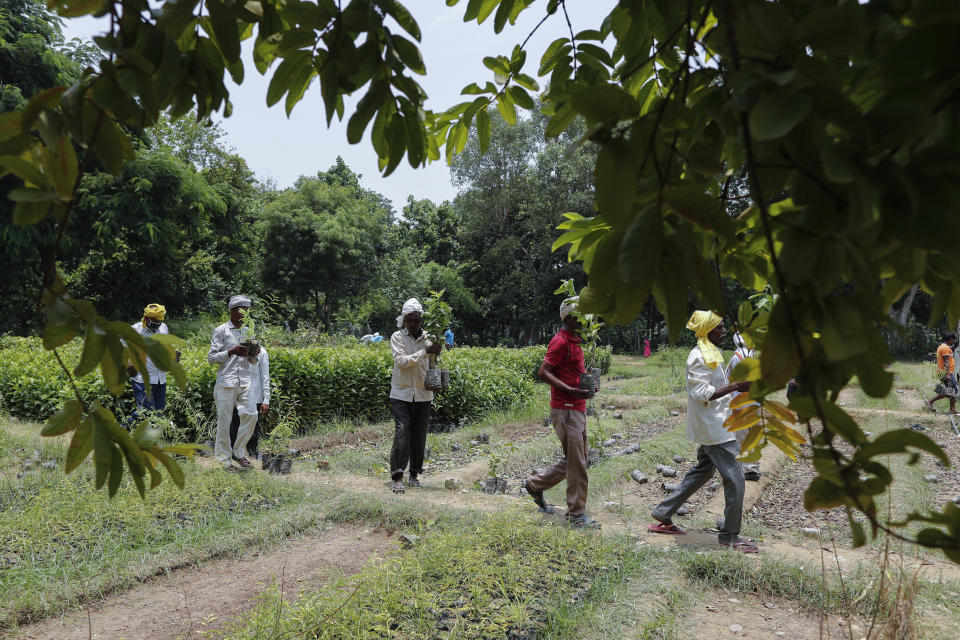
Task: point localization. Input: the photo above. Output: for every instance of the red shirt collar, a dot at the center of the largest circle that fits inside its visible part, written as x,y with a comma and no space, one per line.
572,336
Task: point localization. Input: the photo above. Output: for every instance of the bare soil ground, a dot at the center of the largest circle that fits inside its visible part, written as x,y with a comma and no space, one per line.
729,614
191,600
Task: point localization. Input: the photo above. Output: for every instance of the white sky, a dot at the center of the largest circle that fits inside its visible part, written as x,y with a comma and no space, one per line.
284,149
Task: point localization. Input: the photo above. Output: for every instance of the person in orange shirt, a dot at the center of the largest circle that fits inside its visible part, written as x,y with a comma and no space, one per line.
945,371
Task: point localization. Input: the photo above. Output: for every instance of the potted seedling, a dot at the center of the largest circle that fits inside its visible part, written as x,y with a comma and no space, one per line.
589,332
275,445
436,318
249,334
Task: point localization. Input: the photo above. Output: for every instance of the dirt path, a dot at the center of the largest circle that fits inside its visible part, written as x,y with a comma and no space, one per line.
189,600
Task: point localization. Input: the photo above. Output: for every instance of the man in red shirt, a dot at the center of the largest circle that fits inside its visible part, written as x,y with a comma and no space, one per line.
561,369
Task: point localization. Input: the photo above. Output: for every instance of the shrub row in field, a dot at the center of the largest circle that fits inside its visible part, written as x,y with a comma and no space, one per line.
312,383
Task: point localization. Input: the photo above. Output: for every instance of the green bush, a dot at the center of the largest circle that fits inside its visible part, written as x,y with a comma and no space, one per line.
317,382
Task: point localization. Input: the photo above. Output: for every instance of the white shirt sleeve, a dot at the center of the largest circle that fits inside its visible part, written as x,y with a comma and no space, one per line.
265,375
217,354
401,359
698,379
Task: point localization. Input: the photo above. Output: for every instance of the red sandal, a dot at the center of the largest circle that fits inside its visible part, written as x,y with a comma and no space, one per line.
666,527
741,545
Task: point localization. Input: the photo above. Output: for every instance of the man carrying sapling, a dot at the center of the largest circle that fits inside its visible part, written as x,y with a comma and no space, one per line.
561,369
409,398
233,385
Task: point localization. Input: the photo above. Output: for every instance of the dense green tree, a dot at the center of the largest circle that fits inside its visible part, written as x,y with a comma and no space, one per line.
320,240
510,201
147,236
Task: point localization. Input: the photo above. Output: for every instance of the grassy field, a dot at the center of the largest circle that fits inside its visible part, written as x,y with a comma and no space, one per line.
465,564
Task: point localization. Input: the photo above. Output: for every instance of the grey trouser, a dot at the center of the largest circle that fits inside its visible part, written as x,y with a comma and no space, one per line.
741,434
723,458
409,436
571,428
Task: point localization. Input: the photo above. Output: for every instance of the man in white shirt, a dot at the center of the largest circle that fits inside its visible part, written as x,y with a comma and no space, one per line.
150,325
259,393
409,398
233,384
708,406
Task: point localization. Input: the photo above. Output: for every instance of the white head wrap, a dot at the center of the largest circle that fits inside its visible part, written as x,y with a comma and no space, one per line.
410,306
238,301
740,343
569,305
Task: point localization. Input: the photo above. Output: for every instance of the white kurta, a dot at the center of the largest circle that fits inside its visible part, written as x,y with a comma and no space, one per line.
156,375
705,417
410,364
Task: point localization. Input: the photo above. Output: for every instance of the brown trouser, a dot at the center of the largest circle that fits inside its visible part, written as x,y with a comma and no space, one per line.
571,428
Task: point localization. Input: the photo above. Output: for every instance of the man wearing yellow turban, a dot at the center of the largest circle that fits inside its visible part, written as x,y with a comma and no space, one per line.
151,324
708,406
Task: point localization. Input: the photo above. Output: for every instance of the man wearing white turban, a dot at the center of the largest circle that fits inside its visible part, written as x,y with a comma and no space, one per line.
708,406
561,369
409,398
232,386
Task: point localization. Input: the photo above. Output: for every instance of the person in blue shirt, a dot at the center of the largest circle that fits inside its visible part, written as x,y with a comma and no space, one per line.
448,337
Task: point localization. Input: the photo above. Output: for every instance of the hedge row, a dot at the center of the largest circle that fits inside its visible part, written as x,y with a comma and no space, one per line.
311,383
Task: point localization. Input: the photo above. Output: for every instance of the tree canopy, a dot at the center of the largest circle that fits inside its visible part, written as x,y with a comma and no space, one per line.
842,117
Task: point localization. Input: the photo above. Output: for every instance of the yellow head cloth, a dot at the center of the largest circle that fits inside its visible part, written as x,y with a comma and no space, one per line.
702,323
154,312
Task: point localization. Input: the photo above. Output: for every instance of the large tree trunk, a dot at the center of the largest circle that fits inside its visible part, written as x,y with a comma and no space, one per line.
903,313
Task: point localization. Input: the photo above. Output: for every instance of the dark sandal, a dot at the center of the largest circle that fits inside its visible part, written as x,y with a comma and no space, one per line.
243,462
537,496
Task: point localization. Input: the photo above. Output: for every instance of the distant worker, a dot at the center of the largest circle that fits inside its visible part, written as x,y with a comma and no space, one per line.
947,388
751,470
646,348
708,405
259,394
409,398
448,337
151,324
561,369
233,385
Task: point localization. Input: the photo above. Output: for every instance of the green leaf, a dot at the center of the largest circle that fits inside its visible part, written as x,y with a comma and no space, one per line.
777,113
404,18
93,347
27,213
45,100
112,146
116,471
176,473
616,183
705,211
24,170
897,441
29,194
80,445
521,97
286,73
605,103
506,109
64,420
642,247
409,54
483,129
224,25
822,494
